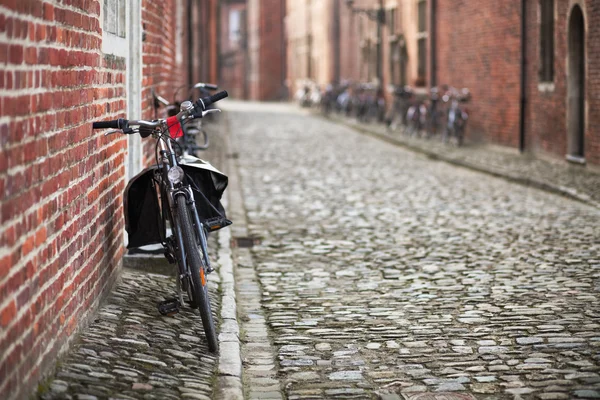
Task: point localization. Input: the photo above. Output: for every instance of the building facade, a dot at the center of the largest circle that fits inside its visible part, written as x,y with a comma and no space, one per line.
252,49
359,41
562,84
533,71
532,67
62,66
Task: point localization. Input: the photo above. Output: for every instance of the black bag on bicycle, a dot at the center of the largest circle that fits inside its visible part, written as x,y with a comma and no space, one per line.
143,220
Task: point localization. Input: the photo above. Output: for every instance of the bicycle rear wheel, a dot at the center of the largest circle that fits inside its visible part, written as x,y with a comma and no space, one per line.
196,269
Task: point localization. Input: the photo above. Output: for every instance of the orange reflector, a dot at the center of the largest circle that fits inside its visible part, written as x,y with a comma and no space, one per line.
202,278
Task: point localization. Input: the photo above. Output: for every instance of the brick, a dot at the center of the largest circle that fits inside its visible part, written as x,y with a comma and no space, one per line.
15,54
48,12
8,314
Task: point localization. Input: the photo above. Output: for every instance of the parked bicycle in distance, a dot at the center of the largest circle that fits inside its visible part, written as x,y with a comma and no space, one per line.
416,112
436,112
396,117
416,116
458,115
176,203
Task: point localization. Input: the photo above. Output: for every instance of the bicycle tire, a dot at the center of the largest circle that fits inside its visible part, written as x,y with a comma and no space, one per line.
196,267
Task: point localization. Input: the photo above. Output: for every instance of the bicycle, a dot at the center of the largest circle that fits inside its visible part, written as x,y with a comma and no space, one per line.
457,115
397,115
436,111
182,193
416,116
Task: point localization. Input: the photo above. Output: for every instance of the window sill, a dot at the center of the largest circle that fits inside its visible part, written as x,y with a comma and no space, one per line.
546,87
575,159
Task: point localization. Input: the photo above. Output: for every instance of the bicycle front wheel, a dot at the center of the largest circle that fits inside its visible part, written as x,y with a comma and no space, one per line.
196,269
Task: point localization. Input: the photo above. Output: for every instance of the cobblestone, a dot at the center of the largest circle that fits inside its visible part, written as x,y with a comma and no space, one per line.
548,173
132,352
364,244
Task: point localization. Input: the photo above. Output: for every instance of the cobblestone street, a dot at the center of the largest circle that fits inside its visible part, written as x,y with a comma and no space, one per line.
384,274
132,352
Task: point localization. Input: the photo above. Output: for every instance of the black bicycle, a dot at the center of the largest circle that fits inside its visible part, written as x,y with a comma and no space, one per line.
176,203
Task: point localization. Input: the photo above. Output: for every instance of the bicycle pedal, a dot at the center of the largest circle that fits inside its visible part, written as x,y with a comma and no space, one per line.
169,307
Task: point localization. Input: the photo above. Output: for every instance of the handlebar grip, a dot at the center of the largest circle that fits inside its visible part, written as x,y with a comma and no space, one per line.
204,102
114,124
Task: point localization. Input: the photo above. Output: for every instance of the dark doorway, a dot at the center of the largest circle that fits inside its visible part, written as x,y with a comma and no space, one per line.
576,87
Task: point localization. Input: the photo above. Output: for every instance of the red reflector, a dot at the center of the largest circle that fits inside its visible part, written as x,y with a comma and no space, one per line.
175,130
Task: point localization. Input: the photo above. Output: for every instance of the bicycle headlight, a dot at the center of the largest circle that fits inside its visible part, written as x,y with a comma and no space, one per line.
175,175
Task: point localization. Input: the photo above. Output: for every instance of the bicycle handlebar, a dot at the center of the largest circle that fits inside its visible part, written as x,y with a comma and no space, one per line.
114,124
204,102
123,124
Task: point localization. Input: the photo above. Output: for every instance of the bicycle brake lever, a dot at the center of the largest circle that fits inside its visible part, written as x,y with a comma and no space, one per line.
111,132
212,110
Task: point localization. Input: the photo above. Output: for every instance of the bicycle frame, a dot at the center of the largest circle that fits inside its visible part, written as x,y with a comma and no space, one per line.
168,161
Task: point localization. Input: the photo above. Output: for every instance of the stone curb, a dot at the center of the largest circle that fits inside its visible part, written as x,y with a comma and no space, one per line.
229,374
520,179
229,381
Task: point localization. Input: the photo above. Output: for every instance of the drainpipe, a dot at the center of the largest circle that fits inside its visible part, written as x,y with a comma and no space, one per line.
336,41
380,22
190,45
283,89
217,32
309,70
433,42
433,55
523,75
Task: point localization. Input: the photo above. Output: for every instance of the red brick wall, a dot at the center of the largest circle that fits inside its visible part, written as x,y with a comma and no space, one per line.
61,218
546,127
350,57
546,111
271,50
266,49
478,47
161,71
61,184
484,55
592,138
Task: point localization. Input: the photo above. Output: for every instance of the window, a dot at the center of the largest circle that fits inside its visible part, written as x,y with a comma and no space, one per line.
422,17
391,21
422,60
114,17
398,61
547,41
421,43
235,26
114,23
